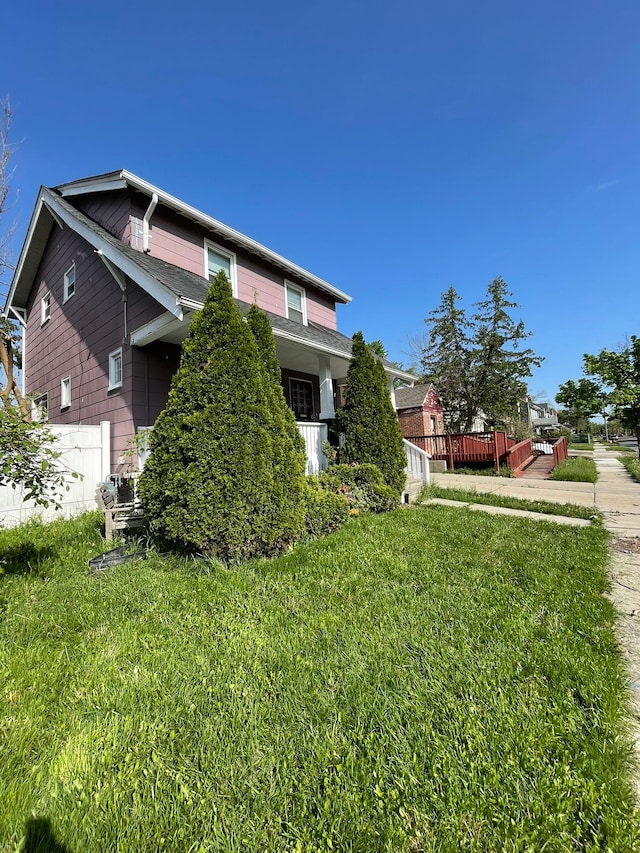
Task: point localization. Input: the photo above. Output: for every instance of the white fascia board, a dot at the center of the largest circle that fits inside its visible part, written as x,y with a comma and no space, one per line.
123,263
124,178
155,329
97,185
190,304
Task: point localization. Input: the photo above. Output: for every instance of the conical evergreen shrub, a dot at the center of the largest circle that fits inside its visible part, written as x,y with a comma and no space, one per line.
289,459
368,420
210,484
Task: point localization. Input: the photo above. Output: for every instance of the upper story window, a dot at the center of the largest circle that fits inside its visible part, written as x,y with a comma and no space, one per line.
40,407
218,258
65,392
115,369
69,283
45,308
296,303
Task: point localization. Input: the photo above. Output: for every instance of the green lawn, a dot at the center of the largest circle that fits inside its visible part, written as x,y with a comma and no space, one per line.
418,681
577,469
494,499
632,464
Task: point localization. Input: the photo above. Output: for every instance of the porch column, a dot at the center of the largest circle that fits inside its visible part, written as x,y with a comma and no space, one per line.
327,410
392,390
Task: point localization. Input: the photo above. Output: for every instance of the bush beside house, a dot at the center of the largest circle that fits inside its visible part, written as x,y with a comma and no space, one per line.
225,476
368,420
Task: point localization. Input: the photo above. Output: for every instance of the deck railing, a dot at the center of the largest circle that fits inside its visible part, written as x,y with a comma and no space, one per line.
417,462
519,454
458,448
560,452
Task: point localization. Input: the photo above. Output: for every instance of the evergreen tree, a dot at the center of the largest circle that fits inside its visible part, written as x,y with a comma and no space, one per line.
368,420
289,458
446,361
478,365
209,484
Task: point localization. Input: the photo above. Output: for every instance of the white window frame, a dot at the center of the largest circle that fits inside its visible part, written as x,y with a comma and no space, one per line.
40,407
220,250
65,392
67,280
45,308
289,285
113,358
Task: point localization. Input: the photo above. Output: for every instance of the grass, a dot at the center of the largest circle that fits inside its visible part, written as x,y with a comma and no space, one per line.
485,471
632,464
491,499
410,683
579,446
576,469
621,448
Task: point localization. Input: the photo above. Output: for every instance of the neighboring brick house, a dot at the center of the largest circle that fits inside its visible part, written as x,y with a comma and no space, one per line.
108,280
419,411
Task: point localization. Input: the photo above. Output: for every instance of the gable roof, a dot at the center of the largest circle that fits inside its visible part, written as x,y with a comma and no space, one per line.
410,398
179,291
122,179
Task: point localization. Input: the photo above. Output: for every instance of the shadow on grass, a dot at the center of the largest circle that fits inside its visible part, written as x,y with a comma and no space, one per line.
40,838
24,558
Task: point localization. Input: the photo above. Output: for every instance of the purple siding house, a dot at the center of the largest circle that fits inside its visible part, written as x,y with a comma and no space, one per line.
108,280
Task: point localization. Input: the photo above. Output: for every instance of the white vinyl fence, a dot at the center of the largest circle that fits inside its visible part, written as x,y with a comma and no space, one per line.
85,450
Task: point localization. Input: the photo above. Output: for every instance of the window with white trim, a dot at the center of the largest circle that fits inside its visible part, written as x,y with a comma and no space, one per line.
218,258
65,392
40,407
69,283
296,303
115,369
45,308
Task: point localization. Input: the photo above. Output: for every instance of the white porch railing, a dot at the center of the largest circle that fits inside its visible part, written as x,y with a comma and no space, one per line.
314,434
417,462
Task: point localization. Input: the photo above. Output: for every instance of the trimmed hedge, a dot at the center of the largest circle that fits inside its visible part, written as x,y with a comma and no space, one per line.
362,485
325,511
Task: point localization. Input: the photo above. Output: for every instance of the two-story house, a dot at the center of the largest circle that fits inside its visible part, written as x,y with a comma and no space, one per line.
109,277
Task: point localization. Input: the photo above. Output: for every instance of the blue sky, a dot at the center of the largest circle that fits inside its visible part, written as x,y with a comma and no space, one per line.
392,149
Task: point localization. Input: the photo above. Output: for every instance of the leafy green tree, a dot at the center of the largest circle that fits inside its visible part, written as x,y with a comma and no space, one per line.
28,459
368,420
619,375
583,399
211,482
477,364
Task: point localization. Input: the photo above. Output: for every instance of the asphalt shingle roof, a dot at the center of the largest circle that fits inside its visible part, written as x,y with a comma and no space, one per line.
182,283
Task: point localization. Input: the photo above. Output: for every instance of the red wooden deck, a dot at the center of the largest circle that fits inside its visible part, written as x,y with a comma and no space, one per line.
496,448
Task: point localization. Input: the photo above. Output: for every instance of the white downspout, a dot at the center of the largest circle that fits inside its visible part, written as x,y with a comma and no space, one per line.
145,223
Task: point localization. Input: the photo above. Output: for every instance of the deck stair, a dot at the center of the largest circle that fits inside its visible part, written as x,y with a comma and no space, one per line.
538,467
